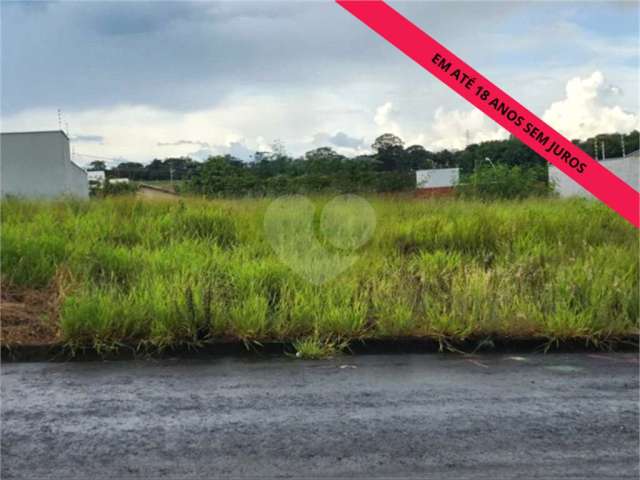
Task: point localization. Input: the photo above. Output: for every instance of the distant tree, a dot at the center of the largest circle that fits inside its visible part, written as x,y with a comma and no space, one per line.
130,166
511,152
97,165
389,151
387,141
323,160
612,144
445,159
258,156
504,181
220,175
179,168
130,170
278,149
418,157
511,169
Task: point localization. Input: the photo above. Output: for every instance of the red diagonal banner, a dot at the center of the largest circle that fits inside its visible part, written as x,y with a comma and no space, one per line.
499,106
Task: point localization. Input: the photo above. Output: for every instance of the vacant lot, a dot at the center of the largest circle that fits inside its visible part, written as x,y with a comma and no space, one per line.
161,274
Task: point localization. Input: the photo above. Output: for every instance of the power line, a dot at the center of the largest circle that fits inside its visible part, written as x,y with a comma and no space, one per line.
98,157
85,158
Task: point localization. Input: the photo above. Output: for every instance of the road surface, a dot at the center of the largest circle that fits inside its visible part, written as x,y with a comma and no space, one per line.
399,416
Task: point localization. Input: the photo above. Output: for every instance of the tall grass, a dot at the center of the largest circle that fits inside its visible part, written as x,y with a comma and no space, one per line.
161,274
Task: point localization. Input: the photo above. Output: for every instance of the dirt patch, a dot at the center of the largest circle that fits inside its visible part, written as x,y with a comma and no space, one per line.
28,317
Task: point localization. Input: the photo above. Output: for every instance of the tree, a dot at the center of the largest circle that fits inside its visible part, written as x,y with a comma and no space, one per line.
504,181
417,157
511,152
445,159
390,149
221,175
97,165
130,170
323,160
612,144
387,141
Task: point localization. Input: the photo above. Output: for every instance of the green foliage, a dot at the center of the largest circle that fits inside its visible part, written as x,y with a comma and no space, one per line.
322,171
30,255
170,168
111,189
506,182
207,224
162,274
390,168
317,348
612,144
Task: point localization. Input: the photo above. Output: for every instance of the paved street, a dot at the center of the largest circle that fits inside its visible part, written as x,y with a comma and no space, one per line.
398,416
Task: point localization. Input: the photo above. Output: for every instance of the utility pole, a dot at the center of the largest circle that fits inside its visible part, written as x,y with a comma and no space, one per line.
59,119
595,148
622,143
602,147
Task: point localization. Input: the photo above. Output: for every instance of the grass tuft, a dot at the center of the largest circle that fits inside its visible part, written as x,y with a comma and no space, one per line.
318,348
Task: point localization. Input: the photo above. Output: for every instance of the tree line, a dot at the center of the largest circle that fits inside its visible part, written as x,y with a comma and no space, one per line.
390,167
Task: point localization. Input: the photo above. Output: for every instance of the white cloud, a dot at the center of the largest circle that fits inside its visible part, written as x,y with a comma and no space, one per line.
454,129
383,119
237,149
350,120
341,142
585,111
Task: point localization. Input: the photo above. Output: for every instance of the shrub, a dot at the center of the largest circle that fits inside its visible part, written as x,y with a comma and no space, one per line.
506,182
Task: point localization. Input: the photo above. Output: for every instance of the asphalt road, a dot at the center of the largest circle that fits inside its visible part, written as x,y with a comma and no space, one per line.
403,416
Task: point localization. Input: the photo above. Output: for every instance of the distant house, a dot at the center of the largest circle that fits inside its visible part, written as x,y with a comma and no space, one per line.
436,182
118,180
38,164
151,191
627,168
96,177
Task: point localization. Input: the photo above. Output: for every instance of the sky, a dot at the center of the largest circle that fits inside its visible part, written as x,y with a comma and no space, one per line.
142,80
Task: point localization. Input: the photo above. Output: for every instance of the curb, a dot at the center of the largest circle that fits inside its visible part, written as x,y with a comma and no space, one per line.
376,346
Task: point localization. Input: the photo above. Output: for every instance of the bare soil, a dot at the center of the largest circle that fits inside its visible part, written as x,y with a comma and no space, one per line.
28,317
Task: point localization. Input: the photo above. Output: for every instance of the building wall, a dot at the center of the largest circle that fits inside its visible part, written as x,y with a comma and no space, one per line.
77,180
38,164
436,182
437,177
627,169
97,176
435,192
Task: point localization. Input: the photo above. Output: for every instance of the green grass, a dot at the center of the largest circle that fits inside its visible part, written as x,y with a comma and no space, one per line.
314,347
163,273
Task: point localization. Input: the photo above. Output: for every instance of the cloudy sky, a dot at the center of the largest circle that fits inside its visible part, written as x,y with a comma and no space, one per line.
144,80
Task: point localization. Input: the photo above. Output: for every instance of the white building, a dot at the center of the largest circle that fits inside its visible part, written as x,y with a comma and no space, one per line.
626,168
96,177
38,164
436,182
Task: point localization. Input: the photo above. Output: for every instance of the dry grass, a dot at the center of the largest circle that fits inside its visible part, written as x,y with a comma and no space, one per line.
28,316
